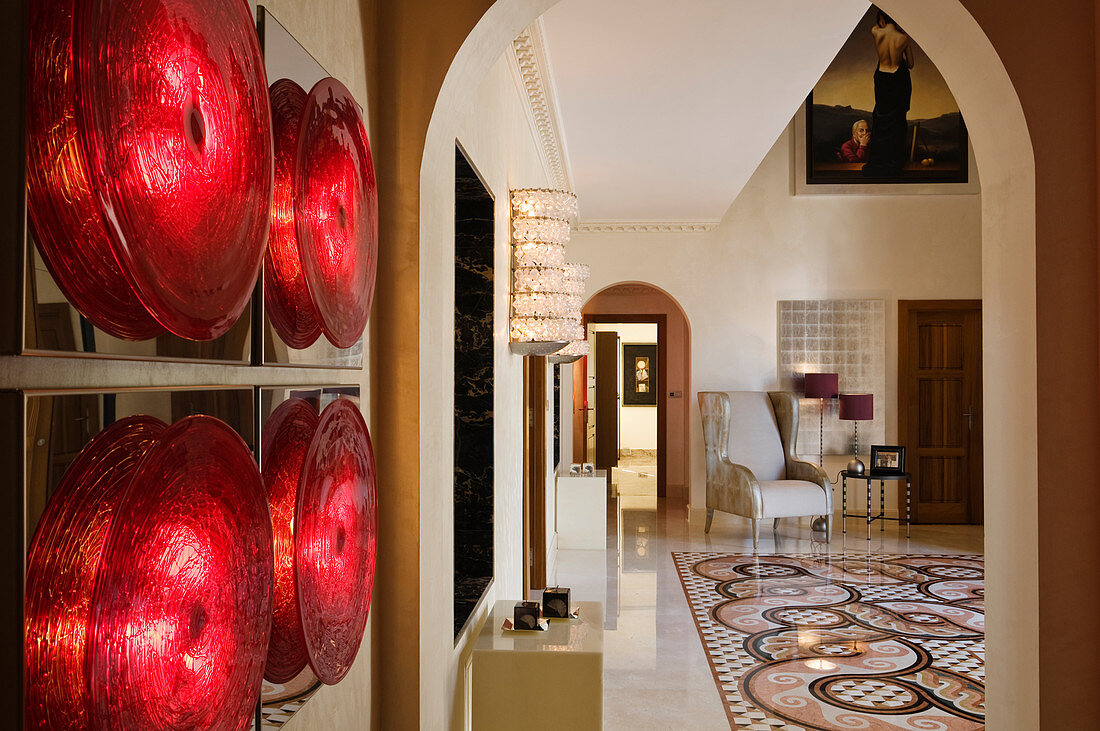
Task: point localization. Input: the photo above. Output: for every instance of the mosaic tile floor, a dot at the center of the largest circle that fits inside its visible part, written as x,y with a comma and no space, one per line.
811,641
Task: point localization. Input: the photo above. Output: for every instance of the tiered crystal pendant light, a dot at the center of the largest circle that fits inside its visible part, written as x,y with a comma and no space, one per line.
576,275
541,300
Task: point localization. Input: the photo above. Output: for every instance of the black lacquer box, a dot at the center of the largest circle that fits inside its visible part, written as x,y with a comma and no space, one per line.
526,615
555,602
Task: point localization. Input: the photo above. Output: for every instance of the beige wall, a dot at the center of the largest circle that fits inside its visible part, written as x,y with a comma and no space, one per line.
494,133
773,245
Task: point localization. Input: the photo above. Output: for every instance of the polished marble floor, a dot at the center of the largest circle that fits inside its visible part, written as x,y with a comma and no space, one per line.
656,672
635,475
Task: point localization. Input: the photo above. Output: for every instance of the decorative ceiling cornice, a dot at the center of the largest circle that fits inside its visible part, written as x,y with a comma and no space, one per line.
531,69
646,227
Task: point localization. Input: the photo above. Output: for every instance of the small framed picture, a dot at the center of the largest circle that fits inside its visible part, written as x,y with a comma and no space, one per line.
887,459
575,469
589,468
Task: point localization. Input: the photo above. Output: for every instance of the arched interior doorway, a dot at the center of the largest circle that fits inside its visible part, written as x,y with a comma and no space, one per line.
641,303
1003,150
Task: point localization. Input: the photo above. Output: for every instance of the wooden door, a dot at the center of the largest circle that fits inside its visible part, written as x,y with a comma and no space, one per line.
607,400
534,474
940,407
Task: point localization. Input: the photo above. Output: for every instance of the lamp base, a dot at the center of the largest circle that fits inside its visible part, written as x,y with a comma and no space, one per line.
855,467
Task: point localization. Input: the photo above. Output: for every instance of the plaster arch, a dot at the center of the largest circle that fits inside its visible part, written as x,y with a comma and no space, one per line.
1004,154
639,298
634,282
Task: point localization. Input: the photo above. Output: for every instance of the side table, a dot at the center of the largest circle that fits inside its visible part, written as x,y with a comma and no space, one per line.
539,680
882,478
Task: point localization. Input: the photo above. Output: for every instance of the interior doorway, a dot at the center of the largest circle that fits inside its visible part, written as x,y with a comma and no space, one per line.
638,304
626,416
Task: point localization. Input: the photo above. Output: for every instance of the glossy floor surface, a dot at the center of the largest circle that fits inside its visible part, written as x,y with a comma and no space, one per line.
656,673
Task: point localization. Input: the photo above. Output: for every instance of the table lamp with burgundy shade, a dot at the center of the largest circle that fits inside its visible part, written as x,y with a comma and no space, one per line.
856,407
821,386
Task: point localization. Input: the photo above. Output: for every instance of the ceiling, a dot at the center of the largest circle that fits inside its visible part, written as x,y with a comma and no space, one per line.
667,108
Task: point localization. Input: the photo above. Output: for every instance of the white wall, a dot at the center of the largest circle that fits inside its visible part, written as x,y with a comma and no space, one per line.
773,245
493,131
637,424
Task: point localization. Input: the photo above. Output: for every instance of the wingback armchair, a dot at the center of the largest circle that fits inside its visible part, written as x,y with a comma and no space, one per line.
752,470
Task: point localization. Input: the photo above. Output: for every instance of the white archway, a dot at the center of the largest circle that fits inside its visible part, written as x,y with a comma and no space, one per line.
1002,146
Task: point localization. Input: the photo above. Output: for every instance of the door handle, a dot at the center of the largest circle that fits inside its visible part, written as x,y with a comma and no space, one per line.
969,414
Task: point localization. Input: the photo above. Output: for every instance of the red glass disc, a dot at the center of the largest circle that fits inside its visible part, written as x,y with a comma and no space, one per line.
286,296
61,568
175,125
285,440
64,215
181,613
337,211
335,542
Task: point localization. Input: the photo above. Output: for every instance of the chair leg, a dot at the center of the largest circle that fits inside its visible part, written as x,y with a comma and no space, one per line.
710,517
828,527
755,533
775,525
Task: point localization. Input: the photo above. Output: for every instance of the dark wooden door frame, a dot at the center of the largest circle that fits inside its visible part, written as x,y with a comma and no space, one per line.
534,474
661,321
976,496
606,399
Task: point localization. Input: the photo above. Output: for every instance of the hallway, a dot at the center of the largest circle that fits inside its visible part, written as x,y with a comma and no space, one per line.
656,674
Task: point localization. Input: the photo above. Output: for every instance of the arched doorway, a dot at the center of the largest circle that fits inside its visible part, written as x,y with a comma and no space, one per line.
639,302
1003,150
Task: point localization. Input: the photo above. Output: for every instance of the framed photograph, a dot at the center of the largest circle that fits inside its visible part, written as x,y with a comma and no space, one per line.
887,459
639,375
883,117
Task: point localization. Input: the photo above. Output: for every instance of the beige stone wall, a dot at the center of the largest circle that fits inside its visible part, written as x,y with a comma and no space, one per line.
772,245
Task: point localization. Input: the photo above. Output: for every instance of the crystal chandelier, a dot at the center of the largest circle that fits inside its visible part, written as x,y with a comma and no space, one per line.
546,295
576,275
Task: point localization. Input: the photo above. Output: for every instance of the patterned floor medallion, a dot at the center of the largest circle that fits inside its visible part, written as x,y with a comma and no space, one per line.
806,641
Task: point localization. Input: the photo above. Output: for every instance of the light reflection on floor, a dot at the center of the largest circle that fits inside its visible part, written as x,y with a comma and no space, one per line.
656,675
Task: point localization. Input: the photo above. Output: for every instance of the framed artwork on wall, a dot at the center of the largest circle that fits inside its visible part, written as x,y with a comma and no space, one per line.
639,375
308,316
883,117
69,456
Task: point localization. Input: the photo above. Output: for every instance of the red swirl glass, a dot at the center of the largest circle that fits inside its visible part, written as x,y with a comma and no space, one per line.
286,296
61,569
65,217
285,440
181,614
175,125
337,211
334,546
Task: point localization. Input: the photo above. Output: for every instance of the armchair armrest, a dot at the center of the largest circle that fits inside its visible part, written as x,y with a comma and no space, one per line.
798,469
733,488
809,472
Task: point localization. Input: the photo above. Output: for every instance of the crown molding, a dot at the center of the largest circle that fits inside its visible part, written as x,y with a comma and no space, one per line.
529,62
646,227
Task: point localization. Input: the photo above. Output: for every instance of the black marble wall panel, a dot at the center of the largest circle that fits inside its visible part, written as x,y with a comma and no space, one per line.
557,415
473,425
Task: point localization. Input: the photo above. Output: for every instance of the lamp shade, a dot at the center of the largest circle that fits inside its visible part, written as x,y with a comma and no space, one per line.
822,385
857,406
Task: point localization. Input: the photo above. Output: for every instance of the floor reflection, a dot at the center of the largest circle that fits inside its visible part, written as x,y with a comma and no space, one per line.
656,674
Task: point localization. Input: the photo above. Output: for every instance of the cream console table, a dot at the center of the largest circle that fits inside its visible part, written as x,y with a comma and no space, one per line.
549,680
582,510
